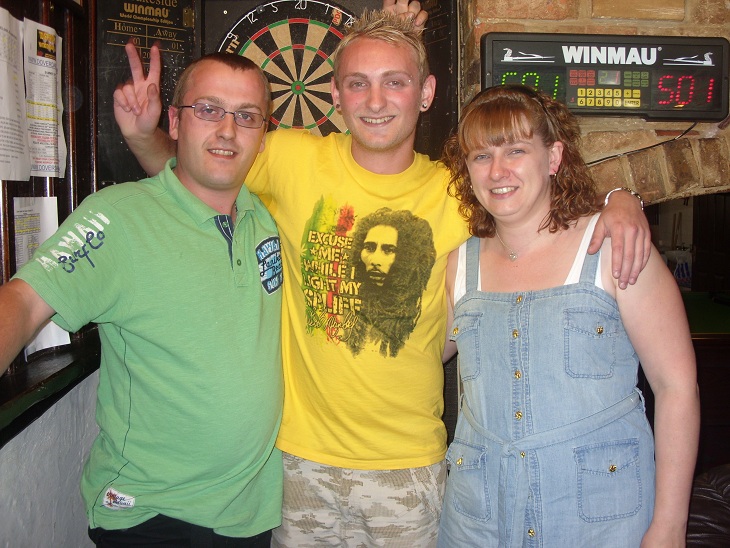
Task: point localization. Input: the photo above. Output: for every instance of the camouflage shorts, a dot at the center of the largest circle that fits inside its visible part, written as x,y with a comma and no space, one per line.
330,506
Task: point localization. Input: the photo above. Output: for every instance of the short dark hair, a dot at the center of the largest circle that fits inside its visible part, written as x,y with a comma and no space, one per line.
231,60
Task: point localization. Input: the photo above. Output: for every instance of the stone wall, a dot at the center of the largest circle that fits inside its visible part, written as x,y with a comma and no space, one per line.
40,471
698,163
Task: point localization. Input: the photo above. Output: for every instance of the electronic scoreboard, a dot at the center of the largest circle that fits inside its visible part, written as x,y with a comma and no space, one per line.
657,77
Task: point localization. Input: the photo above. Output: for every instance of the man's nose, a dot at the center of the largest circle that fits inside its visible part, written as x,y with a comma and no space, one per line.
376,98
227,126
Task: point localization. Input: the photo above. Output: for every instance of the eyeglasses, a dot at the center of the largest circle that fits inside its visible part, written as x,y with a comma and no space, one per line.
212,113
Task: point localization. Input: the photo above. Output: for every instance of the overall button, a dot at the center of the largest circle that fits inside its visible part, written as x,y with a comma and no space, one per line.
518,300
455,331
518,374
531,532
522,454
518,415
599,329
515,333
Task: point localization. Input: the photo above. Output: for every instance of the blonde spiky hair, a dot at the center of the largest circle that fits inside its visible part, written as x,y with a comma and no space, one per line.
388,27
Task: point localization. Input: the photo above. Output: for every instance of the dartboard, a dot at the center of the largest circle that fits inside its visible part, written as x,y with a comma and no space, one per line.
292,41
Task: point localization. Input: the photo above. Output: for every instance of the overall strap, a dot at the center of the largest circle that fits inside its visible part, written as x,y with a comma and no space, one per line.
472,264
590,267
591,263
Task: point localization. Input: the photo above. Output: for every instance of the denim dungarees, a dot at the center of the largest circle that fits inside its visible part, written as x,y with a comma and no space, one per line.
552,445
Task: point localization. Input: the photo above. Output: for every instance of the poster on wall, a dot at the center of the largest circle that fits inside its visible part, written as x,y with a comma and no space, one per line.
170,24
43,100
32,142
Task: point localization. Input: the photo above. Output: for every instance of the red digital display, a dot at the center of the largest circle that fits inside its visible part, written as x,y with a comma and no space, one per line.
684,89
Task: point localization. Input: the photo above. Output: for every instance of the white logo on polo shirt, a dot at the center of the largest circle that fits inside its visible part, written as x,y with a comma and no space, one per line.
117,501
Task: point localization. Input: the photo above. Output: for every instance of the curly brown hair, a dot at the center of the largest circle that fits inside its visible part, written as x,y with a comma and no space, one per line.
505,114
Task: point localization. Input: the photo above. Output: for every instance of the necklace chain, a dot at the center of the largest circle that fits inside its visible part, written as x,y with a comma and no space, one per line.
511,252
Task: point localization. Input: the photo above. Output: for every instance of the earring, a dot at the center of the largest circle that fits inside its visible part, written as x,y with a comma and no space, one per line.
424,105
337,106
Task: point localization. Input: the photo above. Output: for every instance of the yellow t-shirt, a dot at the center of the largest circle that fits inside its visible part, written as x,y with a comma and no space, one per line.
364,303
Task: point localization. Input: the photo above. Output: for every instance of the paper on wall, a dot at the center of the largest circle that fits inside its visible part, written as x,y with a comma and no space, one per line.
14,152
43,100
36,219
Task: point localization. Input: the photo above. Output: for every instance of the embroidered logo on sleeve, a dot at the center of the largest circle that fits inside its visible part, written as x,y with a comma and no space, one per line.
117,501
76,245
268,254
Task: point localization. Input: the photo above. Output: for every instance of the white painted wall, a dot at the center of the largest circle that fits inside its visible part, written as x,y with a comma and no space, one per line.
40,469
669,213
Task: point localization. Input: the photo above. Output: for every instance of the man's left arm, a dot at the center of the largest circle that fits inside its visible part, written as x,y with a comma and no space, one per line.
623,220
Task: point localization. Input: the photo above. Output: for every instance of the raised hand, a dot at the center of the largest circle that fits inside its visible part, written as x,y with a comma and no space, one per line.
137,103
406,8
137,109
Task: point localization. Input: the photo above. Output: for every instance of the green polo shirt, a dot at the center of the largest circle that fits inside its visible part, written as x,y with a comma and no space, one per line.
190,390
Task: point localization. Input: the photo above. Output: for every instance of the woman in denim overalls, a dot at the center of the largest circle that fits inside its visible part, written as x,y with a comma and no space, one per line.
552,445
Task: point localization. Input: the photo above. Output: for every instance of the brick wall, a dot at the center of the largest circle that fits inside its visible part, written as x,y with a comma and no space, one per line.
699,163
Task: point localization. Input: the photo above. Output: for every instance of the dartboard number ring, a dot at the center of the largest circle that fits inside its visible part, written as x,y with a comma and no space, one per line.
292,41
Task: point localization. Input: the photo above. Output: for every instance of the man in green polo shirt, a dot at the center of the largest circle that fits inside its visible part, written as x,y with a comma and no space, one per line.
182,273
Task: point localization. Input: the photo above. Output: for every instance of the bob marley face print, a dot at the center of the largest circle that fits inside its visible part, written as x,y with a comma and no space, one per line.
363,278
378,253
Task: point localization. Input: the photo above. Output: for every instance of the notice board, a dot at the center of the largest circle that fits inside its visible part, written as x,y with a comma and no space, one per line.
170,23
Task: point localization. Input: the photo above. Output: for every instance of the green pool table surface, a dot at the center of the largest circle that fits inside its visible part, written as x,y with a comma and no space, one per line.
708,312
